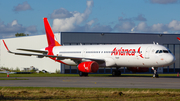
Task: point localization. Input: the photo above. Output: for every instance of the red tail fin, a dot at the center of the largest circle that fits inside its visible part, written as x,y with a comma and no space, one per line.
49,34
5,45
178,38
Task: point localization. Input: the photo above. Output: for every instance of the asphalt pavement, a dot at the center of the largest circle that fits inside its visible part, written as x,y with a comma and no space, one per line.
94,82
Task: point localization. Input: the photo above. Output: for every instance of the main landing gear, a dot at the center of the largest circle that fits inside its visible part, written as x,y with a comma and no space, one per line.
116,72
82,74
155,75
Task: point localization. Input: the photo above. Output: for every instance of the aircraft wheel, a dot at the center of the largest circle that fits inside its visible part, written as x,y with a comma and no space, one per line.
82,74
119,73
85,74
114,73
156,75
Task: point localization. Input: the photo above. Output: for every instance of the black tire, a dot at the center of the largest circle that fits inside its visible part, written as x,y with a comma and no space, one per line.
82,74
157,76
85,74
114,73
119,73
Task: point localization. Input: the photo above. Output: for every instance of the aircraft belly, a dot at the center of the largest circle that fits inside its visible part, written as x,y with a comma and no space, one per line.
69,62
135,62
125,61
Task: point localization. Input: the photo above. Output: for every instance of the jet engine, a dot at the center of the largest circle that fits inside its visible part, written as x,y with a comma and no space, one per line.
88,67
138,69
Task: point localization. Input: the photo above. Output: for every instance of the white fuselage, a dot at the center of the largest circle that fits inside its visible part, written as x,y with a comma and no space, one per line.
121,55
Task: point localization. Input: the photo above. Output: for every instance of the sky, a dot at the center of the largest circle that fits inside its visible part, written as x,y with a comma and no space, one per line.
115,16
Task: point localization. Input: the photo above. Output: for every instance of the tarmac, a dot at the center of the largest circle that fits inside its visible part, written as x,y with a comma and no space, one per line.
95,82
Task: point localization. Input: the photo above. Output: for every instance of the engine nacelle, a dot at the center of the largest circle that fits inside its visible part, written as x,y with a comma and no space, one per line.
88,67
138,69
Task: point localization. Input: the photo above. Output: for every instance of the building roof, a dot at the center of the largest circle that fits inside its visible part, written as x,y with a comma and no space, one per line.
117,38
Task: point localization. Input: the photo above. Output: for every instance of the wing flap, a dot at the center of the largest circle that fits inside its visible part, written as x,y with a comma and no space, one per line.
98,60
32,50
26,54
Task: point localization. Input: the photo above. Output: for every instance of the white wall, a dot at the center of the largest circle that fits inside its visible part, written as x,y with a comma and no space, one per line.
29,42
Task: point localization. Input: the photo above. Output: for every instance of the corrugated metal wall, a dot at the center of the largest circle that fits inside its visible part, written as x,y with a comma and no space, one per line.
168,40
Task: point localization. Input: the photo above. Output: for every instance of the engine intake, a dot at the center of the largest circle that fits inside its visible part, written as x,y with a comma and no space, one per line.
88,67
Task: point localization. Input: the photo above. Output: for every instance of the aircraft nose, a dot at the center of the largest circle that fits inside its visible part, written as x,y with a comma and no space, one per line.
174,59
171,59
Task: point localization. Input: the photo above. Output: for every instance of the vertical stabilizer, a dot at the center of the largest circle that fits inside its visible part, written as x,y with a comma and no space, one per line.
49,34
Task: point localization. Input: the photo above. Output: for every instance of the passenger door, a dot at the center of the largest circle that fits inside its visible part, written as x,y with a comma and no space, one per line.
147,53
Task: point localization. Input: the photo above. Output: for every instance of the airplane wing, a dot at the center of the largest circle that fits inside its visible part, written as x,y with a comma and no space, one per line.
31,50
44,54
26,54
98,60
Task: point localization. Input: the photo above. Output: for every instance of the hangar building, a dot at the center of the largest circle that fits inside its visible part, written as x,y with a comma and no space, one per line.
18,61
84,38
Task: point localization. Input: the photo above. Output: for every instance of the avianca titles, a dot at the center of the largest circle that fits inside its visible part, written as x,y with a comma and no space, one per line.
88,58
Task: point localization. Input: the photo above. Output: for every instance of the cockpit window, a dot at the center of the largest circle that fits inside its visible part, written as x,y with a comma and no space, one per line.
163,51
160,51
169,51
157,51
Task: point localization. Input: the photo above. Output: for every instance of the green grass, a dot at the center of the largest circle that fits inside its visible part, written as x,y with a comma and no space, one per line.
77,75
90,94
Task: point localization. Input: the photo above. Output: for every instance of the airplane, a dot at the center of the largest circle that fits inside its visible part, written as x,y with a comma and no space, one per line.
88,58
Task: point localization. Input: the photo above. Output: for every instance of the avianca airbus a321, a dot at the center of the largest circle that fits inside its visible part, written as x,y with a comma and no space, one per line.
88,58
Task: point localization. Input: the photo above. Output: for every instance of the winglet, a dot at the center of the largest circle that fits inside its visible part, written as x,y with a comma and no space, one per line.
5,45
49,34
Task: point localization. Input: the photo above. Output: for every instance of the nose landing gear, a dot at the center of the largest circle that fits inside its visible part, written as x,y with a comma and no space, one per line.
155,75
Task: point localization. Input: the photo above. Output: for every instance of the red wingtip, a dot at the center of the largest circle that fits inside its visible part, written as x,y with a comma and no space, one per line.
5,45
50,34
178,38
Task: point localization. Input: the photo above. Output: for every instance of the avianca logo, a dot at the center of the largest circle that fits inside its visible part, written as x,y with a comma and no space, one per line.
126,52
86,68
